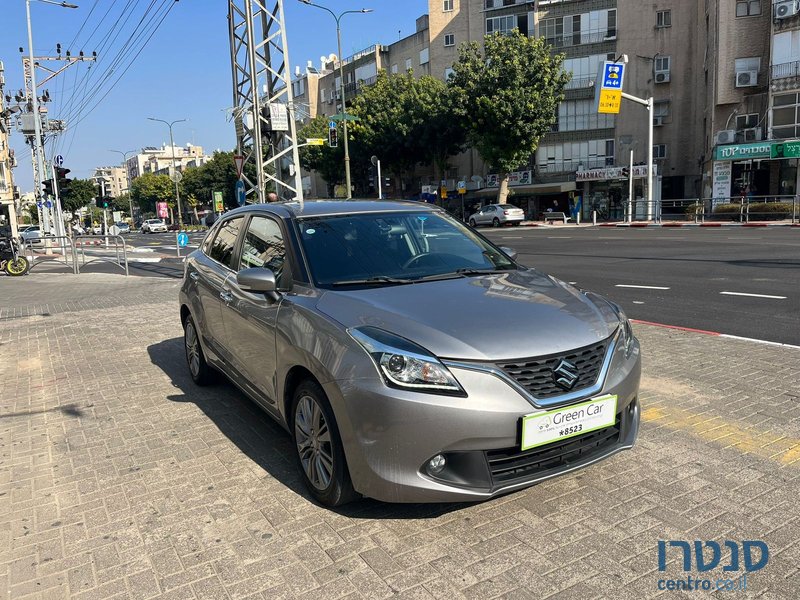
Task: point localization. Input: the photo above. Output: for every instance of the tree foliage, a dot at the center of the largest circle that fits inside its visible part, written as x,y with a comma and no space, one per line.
78,194
508,94
147,189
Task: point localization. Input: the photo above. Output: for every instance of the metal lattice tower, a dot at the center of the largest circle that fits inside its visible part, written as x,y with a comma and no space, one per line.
259,57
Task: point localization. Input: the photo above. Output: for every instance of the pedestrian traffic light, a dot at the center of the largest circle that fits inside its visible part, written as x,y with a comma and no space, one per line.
333,137
47,186
626,172
101,202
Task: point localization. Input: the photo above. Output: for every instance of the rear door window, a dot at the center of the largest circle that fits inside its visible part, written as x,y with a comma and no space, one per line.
222,247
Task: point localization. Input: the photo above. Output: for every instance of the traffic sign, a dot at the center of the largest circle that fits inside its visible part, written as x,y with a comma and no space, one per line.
39,204
331,124
240,196
183,239
613,75
58,160
239,162
48,204
315,141
610,102
462,187
219,206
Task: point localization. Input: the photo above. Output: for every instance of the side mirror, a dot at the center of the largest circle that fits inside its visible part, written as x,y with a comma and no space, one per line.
509,252
257,280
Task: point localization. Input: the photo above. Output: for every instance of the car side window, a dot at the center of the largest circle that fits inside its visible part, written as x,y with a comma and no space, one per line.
489,209
222,247
264,247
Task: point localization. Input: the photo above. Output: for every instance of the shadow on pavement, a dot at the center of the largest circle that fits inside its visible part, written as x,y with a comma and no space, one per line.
261,439
69,410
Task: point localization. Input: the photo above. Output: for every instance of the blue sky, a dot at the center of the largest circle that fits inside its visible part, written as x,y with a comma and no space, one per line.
183,72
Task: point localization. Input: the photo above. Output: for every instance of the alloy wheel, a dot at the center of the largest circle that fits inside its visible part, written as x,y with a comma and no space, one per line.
192,349
313,439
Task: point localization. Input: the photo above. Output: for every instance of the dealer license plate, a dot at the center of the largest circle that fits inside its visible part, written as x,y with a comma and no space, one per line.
556,425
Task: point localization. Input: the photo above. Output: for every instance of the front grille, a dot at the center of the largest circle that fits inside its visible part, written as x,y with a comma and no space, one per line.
536,374
509,465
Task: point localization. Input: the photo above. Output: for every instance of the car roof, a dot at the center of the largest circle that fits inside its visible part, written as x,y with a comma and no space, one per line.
319,208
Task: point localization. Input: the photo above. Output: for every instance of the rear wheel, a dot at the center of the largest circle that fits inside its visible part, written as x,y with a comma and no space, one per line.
495,222
319,447
200,370
472,223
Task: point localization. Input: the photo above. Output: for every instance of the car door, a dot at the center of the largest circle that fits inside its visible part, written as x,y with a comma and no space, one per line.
487,214
251,318
209,272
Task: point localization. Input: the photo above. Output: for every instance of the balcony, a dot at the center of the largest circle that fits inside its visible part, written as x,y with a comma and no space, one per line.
577,83
785,76
580,38
354,87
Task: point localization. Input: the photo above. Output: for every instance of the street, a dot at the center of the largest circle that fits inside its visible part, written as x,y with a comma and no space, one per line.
121,478
688,277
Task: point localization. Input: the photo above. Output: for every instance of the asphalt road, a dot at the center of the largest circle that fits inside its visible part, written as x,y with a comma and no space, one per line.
688,277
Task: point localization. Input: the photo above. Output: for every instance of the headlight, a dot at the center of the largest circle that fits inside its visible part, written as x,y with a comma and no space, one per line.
626,338
404,364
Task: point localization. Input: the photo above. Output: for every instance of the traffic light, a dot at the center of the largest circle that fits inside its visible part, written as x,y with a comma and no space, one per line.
333,137
61,176
626,172
47,186
101,202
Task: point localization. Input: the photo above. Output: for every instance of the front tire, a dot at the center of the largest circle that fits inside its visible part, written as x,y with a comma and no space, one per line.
198,367
495,222
319,447
18,266
472,223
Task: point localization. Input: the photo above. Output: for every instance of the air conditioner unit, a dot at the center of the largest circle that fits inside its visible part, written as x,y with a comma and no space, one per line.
725,137
658,121
753,134
746,79
662,77
786,8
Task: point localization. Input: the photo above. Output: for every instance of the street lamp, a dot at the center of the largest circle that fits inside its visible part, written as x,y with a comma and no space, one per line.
338,18
128,175
37,145
175,176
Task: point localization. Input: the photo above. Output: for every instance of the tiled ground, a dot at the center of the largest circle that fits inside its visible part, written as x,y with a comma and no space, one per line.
119,478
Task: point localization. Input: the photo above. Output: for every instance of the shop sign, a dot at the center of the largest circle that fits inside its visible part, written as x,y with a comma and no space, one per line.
743,151
639,172
786,149
514,179
723,176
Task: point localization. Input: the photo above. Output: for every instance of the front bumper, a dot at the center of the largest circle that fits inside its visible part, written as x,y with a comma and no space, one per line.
390,435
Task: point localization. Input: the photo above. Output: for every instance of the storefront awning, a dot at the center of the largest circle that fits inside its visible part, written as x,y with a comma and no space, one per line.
536,188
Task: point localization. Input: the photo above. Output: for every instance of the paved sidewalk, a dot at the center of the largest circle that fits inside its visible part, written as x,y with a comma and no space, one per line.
120,478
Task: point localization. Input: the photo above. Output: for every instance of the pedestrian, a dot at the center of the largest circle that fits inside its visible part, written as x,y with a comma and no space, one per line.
272,197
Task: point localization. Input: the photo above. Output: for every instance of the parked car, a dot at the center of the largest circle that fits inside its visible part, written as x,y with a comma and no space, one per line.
410,359
123,227
154,226
97,229
497,215
31,234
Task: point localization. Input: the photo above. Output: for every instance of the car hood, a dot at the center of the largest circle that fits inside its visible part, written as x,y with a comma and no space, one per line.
491,317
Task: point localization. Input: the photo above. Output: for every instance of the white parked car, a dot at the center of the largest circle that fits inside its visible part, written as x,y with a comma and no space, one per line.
154,226
31,234
497,215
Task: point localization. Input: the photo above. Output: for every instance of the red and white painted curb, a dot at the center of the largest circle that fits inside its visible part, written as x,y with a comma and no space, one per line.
716,334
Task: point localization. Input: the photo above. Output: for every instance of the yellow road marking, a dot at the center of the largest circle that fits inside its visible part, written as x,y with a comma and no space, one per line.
781,449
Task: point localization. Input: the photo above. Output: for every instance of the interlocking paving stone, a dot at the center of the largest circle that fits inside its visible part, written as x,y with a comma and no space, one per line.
120,478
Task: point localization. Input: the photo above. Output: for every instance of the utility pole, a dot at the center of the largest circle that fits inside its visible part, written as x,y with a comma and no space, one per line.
259,53
176,177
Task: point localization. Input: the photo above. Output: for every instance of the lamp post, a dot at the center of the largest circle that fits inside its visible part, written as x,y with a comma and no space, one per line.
128,175
175,176
338,19
37,145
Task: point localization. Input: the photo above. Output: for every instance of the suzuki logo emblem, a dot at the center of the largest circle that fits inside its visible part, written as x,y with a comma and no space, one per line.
565,374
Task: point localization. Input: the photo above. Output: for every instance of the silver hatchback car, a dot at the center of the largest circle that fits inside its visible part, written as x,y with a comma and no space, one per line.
354,324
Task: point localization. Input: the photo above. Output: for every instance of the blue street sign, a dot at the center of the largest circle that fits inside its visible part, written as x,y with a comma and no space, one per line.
39,204
59,160
612,75
183,239
240,198
48,204
331,124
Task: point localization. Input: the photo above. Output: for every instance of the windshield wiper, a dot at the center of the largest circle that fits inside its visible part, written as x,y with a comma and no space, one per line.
373,280
471,271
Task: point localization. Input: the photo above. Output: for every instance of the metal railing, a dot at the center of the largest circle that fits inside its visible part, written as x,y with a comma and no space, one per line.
784,70
71,251
579,38
577,83
742,209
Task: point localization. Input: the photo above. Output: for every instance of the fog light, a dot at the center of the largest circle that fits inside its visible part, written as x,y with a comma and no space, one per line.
436,464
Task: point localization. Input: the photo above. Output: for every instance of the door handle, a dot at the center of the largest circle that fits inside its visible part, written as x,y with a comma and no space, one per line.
226,297
194,275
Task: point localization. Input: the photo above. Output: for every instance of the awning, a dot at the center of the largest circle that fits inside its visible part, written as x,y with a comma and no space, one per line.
536,188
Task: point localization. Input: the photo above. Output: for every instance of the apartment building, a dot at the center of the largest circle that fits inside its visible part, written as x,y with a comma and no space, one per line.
8,215
158,160
114,180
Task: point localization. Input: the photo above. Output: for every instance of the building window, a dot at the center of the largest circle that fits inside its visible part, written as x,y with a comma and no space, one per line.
664,18
579,115
448,73
660,151
746,121
408,64
785,117
574,156
748,8
449,39
660,112
394,69
447,5
662,64
424,55
502,25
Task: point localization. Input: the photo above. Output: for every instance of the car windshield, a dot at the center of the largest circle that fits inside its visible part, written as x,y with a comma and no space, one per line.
395,248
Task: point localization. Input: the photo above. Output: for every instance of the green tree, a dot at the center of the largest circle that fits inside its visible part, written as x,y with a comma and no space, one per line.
148,189
78,194
508,94
192,202
327,161
121,203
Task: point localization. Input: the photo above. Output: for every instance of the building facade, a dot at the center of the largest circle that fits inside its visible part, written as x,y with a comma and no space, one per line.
114,180
8,192
159,160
